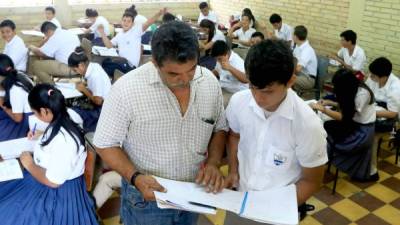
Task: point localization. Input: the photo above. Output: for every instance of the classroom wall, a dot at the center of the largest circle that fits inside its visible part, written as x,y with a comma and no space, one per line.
377,22
27,18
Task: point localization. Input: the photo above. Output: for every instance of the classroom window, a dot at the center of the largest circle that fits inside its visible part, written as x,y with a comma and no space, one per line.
25,3
78,2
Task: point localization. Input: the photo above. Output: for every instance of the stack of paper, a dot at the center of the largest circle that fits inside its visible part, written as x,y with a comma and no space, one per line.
32,33
104,51
77,31
10,170
68,90
274,206
13,148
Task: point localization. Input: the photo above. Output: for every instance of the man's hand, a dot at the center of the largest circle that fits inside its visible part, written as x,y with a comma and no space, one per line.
147,185
232,180
80,87
211,177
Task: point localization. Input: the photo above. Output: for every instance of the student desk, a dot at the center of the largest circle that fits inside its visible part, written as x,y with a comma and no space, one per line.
84,23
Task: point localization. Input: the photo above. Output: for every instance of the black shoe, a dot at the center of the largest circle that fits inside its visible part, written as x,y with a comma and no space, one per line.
372,178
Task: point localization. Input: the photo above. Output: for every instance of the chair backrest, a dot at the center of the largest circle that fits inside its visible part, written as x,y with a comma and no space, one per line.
90,162
322,72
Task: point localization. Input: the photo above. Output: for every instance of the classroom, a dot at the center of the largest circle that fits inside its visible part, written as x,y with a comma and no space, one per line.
199,112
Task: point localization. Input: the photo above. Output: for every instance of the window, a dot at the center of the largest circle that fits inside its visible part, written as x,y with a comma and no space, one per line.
25,3
77,2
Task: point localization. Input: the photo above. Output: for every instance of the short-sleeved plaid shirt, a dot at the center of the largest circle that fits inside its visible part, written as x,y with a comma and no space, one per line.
144,115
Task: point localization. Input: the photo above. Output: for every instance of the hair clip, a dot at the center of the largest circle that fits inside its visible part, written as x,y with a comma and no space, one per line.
49,92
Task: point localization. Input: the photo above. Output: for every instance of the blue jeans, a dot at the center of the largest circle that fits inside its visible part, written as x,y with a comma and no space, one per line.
136,211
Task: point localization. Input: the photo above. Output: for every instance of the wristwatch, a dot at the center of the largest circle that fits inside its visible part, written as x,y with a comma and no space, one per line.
134,176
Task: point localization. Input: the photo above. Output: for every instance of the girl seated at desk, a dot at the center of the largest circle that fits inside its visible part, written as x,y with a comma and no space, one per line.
14,106
351,132
97,88
53,190
213,34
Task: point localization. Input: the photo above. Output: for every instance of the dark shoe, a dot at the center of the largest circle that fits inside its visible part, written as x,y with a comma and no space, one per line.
372,178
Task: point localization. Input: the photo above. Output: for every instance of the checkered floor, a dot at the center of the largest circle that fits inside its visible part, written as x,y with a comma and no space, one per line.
375,203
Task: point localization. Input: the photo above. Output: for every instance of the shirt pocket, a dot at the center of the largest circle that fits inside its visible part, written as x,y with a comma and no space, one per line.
200,135
279,159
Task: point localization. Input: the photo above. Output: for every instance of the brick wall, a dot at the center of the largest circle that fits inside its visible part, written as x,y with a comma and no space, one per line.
377,22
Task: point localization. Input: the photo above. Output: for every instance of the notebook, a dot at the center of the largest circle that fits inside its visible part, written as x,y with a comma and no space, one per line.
104,51
68,90
273,206
32,33
10,170
13,148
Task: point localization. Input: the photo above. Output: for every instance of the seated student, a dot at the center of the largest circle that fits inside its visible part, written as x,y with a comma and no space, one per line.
53,190
229,69
259,26
256,38
267,143
50,15
128,42
15,46
98,86
351,56
213,35
282,30
59,45
242,31
139,19
168,17
14,107
206,13
98,21
351,132
307,63
386,89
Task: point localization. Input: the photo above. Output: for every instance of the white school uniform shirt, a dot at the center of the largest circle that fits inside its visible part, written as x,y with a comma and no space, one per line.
19,100
211,16
97,80
389,93
227,81
357,60
244,35
307,58
273,150
285,33
140,19
60,45
365,112
61,158
18,52
56,22
100,20
130,44
218,36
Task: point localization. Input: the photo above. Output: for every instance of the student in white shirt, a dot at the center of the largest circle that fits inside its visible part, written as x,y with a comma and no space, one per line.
256,37
351,56
15,46
351,132
307,63
229,69
212,34
98,21
282,30
96,90
128,42
53,178
50,13
14,107
267,143
206,13
139,19
242,31
59,45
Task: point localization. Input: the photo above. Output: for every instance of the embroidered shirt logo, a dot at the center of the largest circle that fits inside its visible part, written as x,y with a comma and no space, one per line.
279,159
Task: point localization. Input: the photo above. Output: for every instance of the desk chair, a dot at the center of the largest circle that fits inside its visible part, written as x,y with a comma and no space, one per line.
90,161
322,73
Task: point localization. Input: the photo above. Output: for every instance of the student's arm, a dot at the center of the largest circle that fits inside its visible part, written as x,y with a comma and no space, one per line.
232,30
153,19
36,171
232,148
206,46
245,43
235,72
215,72
309,183
104,37
386,114
17,117
327,111
97,100
36,51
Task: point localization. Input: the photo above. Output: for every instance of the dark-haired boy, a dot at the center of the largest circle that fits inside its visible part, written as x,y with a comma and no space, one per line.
275,139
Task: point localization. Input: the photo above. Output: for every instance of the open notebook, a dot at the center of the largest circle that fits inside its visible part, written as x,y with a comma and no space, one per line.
104,51
10,170
68,90
274,206
12,149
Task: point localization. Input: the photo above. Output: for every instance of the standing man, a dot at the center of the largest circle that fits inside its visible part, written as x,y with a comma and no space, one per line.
168,115
275,138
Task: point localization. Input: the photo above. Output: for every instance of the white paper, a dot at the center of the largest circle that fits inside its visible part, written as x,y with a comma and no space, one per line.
273,206
10,170
104,51
334,62
147,47
13,148
77,31
68,90
308,102
2,93
32,33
